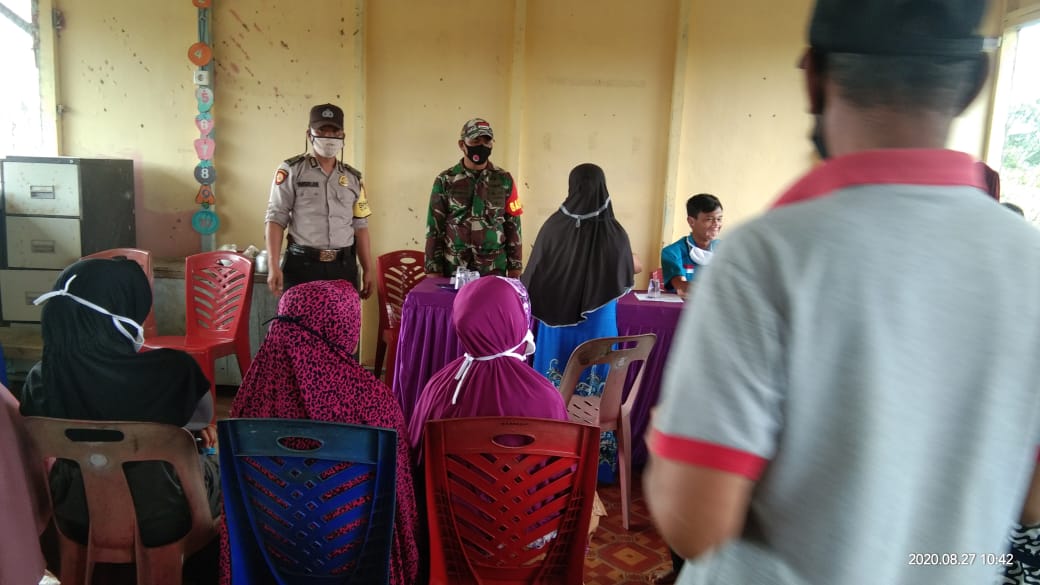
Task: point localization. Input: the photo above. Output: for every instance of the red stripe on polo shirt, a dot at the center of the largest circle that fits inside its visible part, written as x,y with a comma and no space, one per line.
705,454
891,166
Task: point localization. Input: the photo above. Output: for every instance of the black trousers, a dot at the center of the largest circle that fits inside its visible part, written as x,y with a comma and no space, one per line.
299,269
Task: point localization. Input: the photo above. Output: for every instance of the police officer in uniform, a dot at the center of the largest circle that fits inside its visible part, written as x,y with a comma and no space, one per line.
321,201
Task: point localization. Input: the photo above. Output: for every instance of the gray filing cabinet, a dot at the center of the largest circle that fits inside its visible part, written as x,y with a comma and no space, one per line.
56,210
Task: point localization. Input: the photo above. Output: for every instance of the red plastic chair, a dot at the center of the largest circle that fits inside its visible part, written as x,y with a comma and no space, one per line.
218,291
607,410
144,258
509,511
100,449
399,272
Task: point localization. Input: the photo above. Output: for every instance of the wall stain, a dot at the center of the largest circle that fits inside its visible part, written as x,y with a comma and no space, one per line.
240,48
284,44
239,19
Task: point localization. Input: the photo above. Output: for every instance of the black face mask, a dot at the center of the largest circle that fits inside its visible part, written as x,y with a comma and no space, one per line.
478,154
817,139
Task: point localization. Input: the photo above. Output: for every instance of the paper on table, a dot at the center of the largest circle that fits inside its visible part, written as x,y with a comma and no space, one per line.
664,298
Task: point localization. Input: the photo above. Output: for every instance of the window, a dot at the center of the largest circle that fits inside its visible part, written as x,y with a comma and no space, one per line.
1015,137
21,120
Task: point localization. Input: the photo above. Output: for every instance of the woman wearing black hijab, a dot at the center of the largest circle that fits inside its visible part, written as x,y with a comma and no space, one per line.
580,266
91,370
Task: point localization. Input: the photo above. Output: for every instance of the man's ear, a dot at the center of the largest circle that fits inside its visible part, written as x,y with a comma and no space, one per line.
983,64
462,146
813,64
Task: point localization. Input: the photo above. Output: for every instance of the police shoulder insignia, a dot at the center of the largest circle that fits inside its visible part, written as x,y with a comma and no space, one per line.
295,159
280,176
351,170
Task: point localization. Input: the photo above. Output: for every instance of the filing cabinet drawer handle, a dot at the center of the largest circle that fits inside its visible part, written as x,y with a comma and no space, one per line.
41,192
42,246
31,296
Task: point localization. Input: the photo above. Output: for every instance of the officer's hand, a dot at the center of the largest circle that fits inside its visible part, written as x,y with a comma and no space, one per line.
366,285
209,436
274,279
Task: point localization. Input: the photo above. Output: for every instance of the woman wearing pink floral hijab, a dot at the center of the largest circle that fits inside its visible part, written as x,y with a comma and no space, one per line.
304,370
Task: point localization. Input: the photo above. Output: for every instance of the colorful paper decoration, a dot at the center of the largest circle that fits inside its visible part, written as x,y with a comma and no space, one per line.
205,222
204,122
205,174
200,54
204,96
204,148
205,196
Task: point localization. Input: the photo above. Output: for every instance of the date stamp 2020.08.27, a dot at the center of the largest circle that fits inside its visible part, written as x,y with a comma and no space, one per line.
965,559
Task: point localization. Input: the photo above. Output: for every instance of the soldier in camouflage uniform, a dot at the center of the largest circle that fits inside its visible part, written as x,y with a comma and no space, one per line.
474,216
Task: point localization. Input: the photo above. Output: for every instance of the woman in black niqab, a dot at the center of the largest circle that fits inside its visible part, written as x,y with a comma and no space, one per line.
91,370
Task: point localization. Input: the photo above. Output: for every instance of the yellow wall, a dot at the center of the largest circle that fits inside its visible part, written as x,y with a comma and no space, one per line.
670,97
126,87
745,123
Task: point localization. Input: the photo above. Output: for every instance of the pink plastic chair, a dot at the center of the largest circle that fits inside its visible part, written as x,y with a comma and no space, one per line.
607,410
100,449
144,258
218,291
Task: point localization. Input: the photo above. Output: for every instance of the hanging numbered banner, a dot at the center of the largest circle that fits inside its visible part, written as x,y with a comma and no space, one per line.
204,148
205,222
204,96
204,122
205,174
200,54
205,196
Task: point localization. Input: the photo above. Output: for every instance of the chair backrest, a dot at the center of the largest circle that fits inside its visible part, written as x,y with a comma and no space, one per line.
308,501
399,271
101,449
604,410
218,291
507,511
144,258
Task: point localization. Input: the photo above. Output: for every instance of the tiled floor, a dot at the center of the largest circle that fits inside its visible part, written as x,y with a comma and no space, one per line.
616,556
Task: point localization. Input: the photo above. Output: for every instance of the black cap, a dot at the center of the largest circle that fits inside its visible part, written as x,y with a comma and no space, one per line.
898,27
326,115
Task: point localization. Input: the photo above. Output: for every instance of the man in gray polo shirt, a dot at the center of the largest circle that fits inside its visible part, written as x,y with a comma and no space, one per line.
852,395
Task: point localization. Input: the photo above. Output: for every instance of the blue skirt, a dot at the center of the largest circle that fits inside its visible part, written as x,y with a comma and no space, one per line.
553,348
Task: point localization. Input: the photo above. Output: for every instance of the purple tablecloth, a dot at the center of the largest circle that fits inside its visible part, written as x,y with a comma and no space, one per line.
427,342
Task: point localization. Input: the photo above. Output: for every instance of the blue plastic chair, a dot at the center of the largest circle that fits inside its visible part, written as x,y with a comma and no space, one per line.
3,367
297,514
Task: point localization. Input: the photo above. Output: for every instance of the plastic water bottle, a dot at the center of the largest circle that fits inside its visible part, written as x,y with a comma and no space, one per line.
653,290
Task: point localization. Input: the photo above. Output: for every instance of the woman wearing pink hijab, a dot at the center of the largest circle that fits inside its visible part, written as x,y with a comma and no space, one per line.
492,318
304,370
23,498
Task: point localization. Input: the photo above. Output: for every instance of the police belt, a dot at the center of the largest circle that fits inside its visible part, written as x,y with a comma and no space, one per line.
319,254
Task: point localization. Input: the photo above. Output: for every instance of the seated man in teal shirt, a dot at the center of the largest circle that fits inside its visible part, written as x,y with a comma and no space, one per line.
681,260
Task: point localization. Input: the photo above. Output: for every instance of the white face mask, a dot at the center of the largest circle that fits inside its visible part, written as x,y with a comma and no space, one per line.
327,147
527,343
119,321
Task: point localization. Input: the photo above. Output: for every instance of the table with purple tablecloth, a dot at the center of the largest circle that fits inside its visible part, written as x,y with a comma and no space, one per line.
427,342
634,318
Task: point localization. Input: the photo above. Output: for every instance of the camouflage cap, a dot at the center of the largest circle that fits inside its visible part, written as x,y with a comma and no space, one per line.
477,127
326,115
